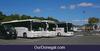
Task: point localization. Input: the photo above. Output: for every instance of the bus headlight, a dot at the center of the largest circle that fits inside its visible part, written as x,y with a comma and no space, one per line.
8,33
12,32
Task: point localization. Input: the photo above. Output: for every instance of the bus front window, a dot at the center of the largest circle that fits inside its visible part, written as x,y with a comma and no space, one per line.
8,27
38,26
52,27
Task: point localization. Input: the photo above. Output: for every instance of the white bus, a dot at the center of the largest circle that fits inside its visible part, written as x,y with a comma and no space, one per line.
50,30
31,28
65,29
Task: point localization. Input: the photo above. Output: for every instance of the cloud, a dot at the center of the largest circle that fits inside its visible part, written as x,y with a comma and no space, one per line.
85,4
78,5
37,10
63,7
72,6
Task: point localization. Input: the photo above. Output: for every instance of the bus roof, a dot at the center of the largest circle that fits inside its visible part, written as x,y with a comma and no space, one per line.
48,21
34,20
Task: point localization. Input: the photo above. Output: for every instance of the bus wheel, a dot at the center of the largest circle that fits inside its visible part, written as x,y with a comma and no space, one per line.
24,35
15,37
58,34
6,37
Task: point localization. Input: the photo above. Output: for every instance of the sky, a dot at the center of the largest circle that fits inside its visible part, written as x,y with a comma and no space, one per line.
74,11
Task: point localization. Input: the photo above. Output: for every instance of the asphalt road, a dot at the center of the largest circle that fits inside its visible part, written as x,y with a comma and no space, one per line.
75,40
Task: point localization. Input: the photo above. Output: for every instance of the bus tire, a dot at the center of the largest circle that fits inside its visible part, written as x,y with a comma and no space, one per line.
6,37
58,34
24,35
15,37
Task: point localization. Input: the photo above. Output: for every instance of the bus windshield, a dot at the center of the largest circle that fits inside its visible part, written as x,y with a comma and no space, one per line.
7,27
38,26
52,27
66,26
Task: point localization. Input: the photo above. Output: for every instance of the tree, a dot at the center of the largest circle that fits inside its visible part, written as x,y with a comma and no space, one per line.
93,20
51,18
14,16
11,17
2,16
1,13
25,17
41,18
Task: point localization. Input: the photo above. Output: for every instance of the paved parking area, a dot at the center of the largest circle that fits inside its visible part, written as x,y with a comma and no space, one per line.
76,40
92,38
